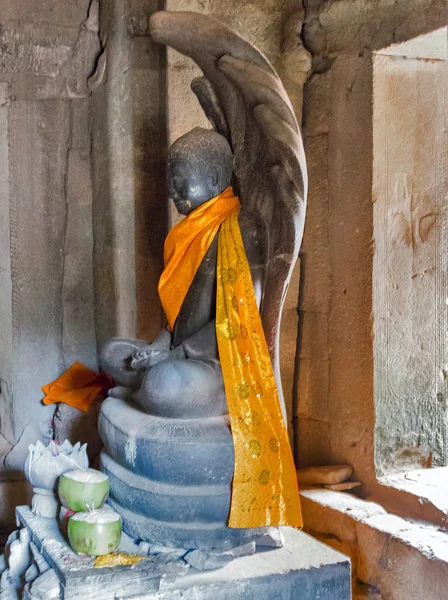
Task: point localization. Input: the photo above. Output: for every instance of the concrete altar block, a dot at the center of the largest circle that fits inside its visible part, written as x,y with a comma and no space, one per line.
304,569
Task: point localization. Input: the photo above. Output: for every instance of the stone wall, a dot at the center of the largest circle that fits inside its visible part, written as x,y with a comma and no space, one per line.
410,182
336,395
49,50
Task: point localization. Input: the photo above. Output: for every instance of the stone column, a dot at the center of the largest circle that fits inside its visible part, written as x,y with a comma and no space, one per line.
129,151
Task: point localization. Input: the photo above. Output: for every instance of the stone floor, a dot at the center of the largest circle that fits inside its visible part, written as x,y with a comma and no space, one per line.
42,565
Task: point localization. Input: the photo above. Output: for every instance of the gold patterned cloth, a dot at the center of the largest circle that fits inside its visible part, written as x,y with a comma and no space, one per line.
264,490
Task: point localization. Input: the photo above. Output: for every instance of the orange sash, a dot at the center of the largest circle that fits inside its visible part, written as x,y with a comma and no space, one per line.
185,247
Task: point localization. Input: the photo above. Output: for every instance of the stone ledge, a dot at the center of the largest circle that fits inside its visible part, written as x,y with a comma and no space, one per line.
405,560
419,501
429,485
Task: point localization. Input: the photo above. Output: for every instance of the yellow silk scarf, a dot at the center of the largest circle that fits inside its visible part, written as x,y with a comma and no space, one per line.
264,490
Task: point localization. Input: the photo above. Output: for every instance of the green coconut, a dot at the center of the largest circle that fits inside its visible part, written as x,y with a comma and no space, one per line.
94,533
82,490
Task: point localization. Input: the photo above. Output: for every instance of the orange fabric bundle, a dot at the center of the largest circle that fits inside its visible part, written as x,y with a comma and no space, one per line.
77,387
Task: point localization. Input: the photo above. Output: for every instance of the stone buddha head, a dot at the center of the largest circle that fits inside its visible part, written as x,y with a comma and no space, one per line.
200,166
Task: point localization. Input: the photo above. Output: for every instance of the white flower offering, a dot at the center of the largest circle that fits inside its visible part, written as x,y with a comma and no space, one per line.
43,467
45,464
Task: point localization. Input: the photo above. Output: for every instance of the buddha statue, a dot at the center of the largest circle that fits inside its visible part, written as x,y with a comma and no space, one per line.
178,375
196,446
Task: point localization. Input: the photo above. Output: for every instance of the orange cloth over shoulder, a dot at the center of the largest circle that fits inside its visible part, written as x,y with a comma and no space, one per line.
192,236
77,387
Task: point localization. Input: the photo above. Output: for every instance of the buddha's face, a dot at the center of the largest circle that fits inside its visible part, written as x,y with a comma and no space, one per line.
187,188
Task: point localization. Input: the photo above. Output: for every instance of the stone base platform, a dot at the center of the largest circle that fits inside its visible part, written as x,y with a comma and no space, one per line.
304,569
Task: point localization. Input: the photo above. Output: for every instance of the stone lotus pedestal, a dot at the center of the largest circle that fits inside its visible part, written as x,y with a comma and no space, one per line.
164,480
41,566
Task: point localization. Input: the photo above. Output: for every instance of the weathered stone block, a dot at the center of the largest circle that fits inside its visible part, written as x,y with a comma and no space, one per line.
402,558
331,474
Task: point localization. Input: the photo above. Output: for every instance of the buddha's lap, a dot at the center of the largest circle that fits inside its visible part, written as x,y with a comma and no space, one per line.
186,389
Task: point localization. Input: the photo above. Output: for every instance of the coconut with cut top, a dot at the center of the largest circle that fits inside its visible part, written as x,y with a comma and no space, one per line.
95,532
81,490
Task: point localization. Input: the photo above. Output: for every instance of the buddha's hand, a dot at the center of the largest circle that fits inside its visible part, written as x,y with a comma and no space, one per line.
153,353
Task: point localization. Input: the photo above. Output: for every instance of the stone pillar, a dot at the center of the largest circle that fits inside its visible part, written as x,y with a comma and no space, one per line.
129,151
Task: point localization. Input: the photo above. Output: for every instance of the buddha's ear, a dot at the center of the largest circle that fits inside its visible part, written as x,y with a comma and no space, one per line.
214,175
